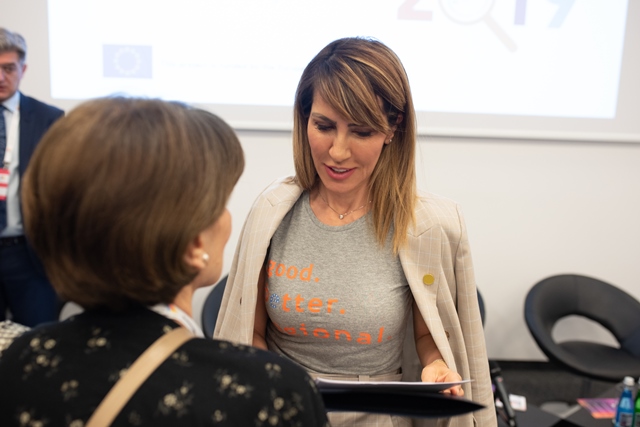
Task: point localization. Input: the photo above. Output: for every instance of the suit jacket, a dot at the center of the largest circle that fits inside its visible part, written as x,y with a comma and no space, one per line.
438,267
35,119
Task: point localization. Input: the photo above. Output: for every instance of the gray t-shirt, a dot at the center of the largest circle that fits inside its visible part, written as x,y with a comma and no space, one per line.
337,301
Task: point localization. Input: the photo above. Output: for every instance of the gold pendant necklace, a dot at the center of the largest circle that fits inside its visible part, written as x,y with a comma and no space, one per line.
341,216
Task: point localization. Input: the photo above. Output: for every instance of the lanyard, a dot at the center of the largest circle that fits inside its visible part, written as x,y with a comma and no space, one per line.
173,312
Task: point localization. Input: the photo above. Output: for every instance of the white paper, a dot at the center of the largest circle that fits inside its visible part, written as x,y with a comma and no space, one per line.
396,386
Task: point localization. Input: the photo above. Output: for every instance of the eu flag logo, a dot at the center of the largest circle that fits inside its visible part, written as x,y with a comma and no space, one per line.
127,61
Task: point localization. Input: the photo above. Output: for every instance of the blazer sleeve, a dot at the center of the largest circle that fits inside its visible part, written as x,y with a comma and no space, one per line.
438,245
237,312
472,329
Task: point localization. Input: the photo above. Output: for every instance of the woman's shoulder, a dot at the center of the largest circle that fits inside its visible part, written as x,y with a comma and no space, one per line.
262,376
439,211
249,363
436,204
276,198
245,358
283,189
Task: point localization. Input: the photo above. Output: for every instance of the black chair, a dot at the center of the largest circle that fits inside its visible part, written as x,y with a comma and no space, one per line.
569,294
211,307
481,305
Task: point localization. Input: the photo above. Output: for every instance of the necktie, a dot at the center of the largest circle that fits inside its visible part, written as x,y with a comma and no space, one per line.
3,146
3,133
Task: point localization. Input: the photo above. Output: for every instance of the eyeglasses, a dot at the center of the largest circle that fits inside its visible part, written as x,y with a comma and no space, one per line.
9,69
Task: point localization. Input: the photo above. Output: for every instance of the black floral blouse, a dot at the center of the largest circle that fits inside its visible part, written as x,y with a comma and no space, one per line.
57,374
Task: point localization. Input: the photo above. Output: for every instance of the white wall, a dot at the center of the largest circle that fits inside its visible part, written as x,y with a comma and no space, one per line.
533,208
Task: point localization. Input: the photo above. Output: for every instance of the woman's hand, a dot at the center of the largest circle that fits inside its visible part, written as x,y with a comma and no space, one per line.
435,368
438,372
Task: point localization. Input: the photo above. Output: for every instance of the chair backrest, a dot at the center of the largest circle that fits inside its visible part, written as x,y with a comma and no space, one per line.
481,305
570,294
211,307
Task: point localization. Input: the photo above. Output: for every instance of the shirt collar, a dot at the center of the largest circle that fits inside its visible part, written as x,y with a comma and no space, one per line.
12,103
172,311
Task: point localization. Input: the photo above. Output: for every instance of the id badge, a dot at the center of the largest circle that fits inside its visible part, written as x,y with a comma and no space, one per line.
4,183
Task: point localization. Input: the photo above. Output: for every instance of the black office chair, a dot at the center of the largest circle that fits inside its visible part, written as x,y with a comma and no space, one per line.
481,305
211,307
569,294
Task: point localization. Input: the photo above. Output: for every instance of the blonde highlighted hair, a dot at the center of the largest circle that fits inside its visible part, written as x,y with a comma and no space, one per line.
353,75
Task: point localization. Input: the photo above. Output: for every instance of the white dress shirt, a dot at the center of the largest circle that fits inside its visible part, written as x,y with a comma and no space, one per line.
12,120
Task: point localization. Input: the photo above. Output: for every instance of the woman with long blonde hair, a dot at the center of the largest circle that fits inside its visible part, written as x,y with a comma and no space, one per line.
338,264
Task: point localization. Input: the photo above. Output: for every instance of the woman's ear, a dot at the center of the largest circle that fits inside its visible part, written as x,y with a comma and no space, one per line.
389,137
399,120
195,256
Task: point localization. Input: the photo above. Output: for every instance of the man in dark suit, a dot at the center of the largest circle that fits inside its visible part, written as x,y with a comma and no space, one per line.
24,288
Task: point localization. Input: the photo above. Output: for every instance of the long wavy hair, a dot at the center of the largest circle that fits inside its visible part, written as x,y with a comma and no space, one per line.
353,75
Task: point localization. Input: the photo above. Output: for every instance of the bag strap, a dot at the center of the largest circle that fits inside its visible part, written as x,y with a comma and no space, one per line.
137,374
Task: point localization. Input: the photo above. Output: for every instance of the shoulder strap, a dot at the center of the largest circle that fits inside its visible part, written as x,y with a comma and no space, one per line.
141,369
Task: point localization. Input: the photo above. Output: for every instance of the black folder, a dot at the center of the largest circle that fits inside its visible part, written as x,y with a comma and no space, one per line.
404,399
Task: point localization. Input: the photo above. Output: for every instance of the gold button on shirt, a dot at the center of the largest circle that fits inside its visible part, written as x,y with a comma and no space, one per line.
428,279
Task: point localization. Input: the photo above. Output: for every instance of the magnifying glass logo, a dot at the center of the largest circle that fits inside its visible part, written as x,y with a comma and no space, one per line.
472,11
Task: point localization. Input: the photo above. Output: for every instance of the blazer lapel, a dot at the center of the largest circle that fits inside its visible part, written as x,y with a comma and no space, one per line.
26,140
263,221
422,264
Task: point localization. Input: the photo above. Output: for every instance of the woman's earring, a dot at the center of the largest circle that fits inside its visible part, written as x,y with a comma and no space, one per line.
205,258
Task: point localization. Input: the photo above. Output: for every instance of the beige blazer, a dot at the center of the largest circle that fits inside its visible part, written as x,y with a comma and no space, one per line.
437,264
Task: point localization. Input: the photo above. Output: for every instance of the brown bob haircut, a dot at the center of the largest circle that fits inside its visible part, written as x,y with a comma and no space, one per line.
353,75
117,190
